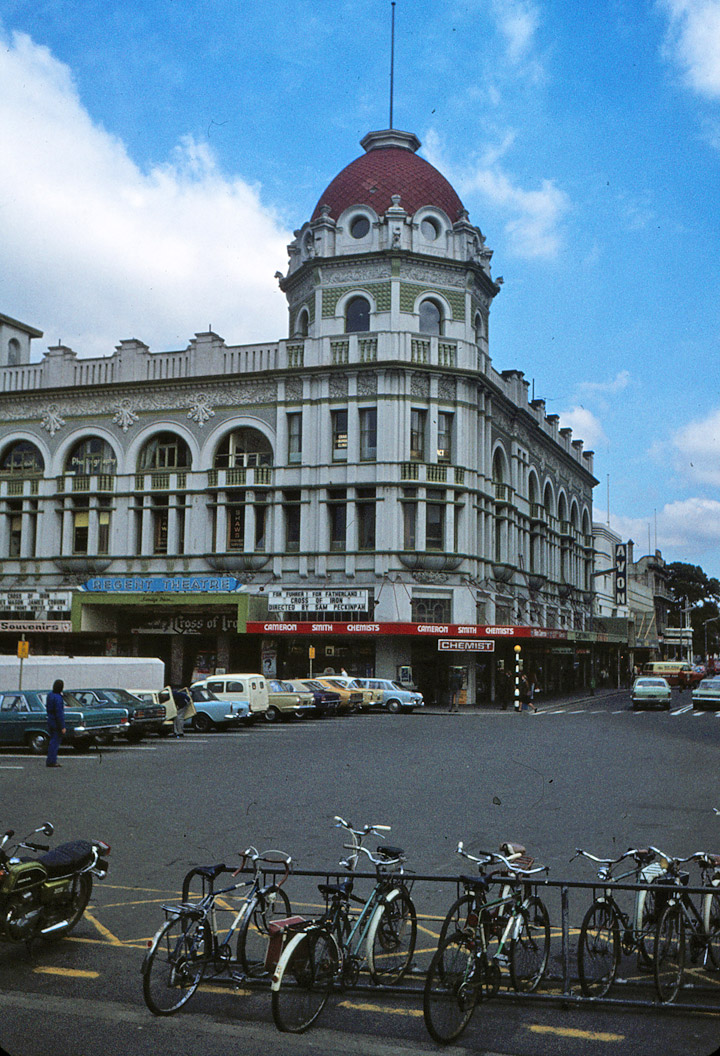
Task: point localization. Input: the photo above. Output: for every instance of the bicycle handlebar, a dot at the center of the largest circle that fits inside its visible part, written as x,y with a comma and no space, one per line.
371,856
488,857
634,851
378,829
252,854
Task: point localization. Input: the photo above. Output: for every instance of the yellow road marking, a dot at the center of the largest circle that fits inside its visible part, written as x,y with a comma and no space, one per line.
112,939
381,1008
572,1032
75,973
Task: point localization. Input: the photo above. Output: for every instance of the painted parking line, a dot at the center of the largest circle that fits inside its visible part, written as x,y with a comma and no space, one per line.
573,1032
367,1007
12,767
72,973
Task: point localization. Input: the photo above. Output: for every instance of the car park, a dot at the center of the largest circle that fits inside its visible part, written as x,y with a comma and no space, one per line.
393,696
707,694
648,692
350,699
251,688
212,713
325,701
23,721
144,718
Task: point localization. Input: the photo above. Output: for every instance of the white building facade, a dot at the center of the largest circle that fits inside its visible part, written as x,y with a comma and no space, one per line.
369,487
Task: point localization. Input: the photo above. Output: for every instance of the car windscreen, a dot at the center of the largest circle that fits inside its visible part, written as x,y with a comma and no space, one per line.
202,694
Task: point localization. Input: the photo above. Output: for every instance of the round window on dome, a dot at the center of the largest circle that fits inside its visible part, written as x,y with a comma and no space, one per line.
359,226
429,229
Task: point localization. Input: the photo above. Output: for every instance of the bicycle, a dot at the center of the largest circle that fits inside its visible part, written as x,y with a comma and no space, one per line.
464,969
332,950
681,917
607,930
190,943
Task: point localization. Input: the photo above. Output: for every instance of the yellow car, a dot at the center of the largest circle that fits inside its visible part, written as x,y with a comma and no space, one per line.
352,698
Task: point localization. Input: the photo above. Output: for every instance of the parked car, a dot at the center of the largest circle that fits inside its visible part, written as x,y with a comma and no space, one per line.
649,691
707,694
159,696
252,688
288,702
325,701
350,699
372,698
144,718
211,712
23,720
393,696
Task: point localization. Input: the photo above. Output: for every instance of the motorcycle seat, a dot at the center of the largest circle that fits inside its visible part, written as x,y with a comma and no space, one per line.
68,857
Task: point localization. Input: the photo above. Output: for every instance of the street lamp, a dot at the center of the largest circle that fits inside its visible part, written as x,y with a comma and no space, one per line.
518,650
712,619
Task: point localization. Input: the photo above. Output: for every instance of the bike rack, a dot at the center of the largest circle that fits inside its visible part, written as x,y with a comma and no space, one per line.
565,984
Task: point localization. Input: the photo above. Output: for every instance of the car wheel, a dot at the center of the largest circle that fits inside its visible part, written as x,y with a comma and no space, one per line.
272,714
202,723
393,706
38,743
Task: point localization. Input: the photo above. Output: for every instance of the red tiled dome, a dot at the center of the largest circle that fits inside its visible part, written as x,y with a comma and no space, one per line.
386,170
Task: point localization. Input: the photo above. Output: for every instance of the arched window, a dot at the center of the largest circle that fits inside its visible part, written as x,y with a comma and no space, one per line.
165,451
498,474
478,327
21,459
301,327
357,316
14,352
243,447
548,500
91,457
431,318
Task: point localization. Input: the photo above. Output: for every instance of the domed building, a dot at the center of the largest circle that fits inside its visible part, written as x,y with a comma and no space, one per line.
368,493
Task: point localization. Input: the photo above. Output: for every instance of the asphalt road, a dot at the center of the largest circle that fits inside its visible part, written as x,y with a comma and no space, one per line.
591,774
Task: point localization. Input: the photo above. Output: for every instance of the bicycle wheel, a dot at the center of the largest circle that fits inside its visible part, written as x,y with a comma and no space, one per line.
175,964
711,920
452,988
530,949
391,939
254,928
598,950
303,980
669,966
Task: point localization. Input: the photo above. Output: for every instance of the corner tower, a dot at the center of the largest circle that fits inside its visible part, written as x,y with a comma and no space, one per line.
389,247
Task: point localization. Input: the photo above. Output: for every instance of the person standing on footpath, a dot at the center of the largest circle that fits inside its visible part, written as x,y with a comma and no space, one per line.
526,694
55,707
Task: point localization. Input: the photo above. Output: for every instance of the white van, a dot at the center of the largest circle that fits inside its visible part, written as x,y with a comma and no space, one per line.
252,688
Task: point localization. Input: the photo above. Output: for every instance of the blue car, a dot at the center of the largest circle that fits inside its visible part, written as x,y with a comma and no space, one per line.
394,697
211,712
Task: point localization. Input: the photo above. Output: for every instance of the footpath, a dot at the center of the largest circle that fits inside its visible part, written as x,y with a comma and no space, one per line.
579,696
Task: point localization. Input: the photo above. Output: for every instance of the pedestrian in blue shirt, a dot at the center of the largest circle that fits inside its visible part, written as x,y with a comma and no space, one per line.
55,707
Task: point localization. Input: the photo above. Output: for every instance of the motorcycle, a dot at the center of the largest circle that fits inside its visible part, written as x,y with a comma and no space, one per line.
45,897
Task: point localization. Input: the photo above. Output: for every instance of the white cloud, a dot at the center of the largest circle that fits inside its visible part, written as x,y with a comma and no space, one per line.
693,42
687,530
697,448
517,21
591,389
101,250
585,426
533,218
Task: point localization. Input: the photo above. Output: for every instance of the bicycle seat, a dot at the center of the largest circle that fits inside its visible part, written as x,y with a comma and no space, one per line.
644,855
328,890
390,852
211,872
478,882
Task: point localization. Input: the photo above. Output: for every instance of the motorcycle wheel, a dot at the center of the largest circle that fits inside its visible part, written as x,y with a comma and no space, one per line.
80,891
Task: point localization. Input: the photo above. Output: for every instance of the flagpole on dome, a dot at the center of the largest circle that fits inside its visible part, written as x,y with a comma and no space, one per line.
392,60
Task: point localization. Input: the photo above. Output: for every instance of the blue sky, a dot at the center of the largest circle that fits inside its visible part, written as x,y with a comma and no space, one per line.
158,155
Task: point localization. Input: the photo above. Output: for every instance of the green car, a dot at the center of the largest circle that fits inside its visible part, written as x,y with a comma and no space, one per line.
707,694
648,692
23,720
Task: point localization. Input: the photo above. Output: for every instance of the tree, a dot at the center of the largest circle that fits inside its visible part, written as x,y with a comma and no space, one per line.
690,585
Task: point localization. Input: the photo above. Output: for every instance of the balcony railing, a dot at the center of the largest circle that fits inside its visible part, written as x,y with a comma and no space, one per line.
503,492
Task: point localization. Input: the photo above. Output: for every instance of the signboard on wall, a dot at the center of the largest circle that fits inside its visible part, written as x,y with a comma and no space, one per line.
462,645
621,573
318,600
35,600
